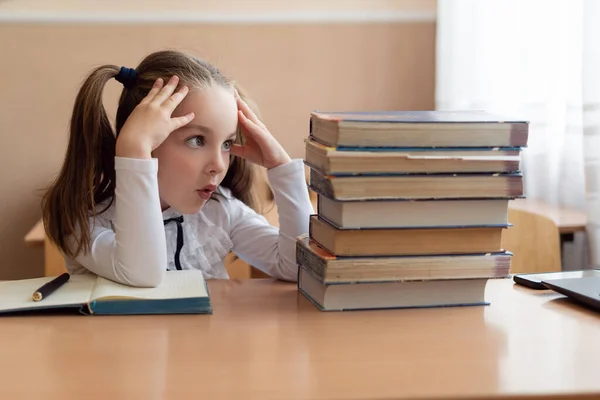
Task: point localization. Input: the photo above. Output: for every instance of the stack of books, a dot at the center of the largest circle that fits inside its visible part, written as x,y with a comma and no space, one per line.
411,207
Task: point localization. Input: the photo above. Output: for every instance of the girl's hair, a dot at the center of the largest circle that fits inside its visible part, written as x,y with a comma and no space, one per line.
87,176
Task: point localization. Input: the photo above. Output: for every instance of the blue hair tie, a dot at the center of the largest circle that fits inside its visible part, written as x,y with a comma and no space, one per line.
127,76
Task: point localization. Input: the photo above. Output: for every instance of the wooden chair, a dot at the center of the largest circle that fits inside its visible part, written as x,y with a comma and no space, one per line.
534,239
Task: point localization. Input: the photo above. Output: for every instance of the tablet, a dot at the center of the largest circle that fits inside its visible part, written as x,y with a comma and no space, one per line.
534,281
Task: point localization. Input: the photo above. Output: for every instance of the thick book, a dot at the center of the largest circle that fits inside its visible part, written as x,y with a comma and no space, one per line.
413,213
181,292
333,161
417,129
405,241
328,268
391,294
417,186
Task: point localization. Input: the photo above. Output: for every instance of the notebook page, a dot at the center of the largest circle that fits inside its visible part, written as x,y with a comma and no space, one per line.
176,285
16,295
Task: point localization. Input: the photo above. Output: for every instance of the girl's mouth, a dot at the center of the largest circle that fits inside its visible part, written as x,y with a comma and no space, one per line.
206,191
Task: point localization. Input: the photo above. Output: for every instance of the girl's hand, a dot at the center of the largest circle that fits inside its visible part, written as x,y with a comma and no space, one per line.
150,123
260,147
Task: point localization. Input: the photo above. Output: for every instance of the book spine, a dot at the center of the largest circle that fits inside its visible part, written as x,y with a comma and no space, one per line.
309,260
320,184
519,134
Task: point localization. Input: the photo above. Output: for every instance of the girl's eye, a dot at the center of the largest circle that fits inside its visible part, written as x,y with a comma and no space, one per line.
227,145
196,141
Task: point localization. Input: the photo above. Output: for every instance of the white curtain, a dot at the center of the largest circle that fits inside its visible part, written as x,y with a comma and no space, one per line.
538,60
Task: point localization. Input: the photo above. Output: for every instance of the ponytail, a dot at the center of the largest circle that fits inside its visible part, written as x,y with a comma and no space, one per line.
87,176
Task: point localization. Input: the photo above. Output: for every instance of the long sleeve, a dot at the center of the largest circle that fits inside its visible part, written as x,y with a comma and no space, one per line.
135,252
264,246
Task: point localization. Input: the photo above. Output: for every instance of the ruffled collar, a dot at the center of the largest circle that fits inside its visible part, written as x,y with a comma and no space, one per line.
205,245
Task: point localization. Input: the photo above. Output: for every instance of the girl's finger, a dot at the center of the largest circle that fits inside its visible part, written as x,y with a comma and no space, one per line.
238,150
251,127
166,91
247,153
254,131
173,101
178,122
242,105
158,84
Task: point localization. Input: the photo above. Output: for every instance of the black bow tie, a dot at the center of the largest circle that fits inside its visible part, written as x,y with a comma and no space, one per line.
178,221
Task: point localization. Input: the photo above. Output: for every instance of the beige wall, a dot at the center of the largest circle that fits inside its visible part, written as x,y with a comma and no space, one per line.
290,69
216,5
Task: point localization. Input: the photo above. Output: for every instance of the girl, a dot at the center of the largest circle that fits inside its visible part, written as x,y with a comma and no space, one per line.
172,188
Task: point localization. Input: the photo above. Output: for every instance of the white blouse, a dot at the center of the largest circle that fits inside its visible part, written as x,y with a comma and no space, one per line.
131,244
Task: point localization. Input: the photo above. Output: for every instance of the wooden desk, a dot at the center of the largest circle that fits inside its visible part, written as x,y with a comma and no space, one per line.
265,341
54,263
36,235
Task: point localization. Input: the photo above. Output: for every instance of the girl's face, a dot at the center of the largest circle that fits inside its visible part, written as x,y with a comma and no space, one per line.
194,159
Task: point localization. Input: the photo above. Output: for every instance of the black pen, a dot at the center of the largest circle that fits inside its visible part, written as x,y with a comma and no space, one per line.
49,288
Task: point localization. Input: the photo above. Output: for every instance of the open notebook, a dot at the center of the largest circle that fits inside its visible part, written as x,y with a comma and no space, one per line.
181,292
